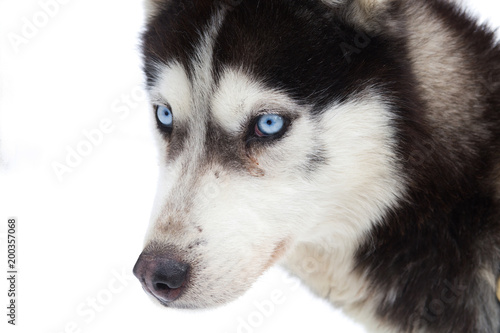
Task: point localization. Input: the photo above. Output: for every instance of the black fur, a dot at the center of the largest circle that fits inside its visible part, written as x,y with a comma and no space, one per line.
429,252
431,249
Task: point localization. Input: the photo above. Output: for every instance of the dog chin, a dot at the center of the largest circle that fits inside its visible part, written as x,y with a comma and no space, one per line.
198,302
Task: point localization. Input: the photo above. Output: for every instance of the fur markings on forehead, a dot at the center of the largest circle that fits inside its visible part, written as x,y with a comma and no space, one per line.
183,90
172,88
239,96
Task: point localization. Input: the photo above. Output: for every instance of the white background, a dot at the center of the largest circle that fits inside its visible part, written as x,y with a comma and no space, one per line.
79,237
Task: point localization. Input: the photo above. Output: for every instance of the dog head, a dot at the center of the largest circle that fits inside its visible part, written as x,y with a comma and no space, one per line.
270,133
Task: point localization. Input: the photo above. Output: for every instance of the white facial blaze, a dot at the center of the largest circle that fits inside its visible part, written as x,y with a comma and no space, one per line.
174,90
188,101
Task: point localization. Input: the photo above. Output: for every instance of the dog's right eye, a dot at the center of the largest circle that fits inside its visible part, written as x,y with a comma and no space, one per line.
164,116
268,125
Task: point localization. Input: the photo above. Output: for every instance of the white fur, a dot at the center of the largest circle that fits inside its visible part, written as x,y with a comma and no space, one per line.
185,98
325,212
353,192
173,89
232,225
238,98
238,224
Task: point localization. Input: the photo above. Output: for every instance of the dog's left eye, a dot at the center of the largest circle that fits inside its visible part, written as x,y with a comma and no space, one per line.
268,125
164,116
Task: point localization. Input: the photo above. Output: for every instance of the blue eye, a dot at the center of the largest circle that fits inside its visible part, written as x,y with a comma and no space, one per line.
269,124
165,116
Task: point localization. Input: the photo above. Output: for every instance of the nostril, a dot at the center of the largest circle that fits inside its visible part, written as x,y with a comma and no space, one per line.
162,276
161,286
170,275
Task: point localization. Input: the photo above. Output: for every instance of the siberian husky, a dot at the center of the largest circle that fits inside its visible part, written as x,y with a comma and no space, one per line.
354,142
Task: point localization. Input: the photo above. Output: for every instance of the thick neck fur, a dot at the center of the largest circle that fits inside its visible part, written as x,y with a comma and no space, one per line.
433,262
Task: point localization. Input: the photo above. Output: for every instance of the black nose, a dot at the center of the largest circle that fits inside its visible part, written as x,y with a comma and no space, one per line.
161,276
